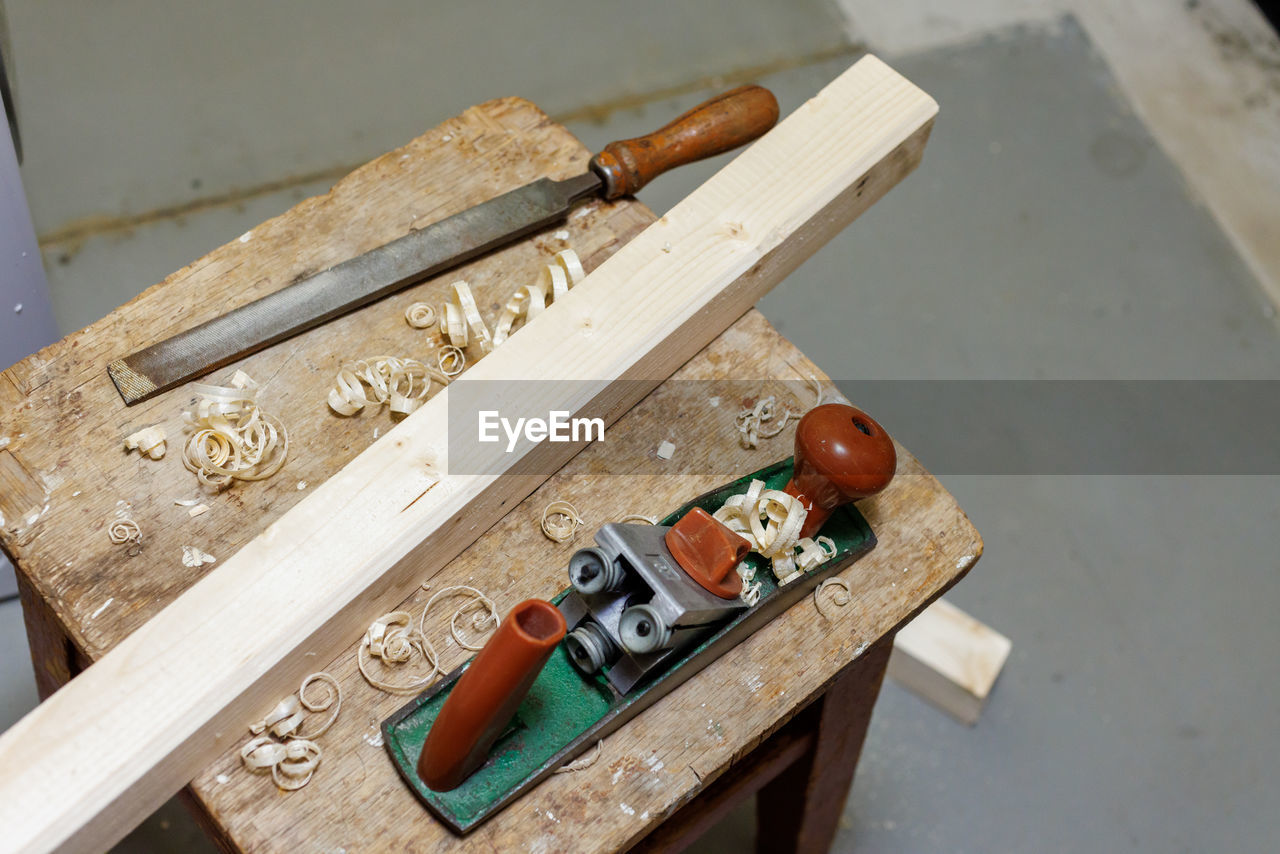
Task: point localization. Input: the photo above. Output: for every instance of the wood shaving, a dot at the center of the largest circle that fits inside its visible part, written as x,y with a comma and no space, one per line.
636,517
751,589
232,438
402,384
393,640
485,618
838,598
666,450
754,424
452,324
198,510
461,323
479,332
192,556
148,442
451,360
529,301
572,264
582,762
124,531
771,520
420,315
282,720
293,759
332,699
560,521
186,502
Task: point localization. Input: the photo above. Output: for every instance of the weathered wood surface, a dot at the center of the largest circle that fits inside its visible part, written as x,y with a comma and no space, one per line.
71,444
65,463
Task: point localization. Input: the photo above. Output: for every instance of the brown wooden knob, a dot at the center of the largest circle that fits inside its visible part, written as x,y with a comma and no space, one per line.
713,127
842,455
486,696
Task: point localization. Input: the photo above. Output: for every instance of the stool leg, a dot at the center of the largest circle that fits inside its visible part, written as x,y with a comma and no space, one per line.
52,653
800,809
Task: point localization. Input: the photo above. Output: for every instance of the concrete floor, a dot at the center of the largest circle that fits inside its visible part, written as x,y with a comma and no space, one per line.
1046,236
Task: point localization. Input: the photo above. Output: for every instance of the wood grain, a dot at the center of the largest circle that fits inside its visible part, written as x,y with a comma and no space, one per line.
950,659
802,806
66,425
107,748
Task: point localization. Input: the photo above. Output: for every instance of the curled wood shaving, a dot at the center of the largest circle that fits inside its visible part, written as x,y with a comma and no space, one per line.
301,758
401,383
453,326
751,589
392,639
529,301
771,520
451,360
232,438
420,315
560,521
461,324
479,332
572,264
753,424
636,517
124,531
292,760
485,618
149,442
282,720
332,699
460,320
582,762
838,598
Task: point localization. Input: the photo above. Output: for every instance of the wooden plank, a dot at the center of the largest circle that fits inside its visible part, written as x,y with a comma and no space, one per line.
105,750
950,659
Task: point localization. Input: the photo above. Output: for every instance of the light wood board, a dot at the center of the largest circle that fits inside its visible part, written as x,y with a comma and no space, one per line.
950,659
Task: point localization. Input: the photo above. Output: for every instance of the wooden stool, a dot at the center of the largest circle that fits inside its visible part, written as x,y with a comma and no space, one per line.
784,713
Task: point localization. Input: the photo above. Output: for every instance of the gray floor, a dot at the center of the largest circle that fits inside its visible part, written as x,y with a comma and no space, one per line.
1046,236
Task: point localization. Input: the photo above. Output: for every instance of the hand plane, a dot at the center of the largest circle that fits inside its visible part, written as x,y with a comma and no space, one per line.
649,606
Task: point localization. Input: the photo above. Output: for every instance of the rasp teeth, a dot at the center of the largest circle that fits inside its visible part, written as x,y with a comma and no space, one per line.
132,385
